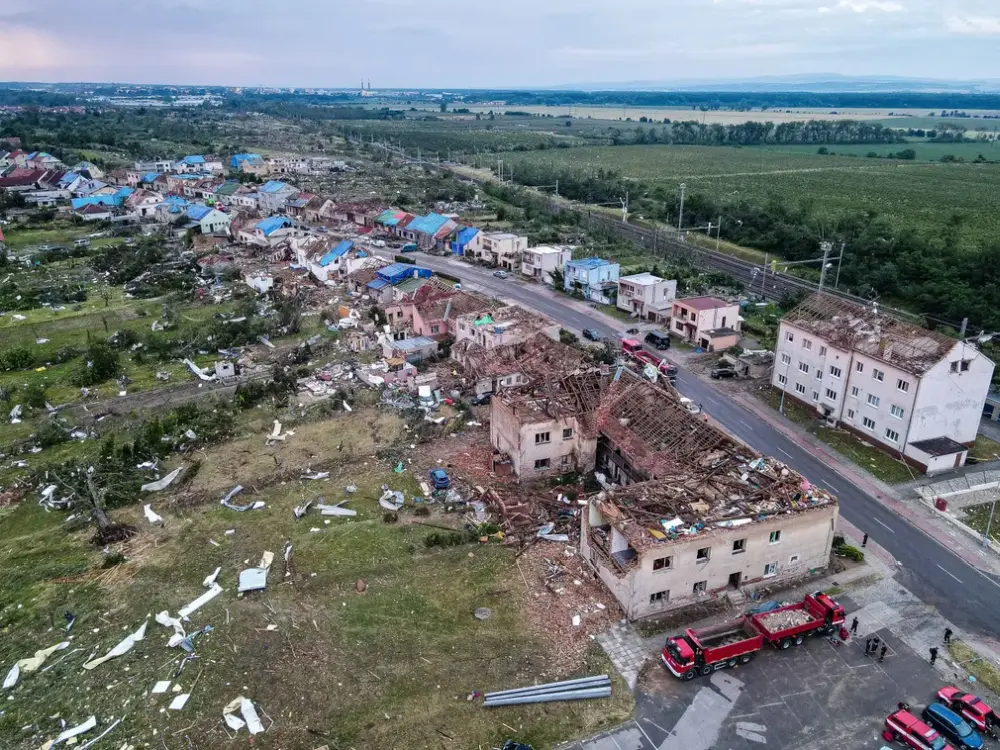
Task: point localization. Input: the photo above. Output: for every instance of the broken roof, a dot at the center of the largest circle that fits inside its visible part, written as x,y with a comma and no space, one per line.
870,331
939,446
703,303
535,358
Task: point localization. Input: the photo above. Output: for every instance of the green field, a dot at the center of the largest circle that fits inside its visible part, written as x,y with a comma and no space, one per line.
925,151
924,195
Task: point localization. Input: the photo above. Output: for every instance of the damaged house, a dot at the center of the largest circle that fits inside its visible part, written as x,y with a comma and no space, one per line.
532,359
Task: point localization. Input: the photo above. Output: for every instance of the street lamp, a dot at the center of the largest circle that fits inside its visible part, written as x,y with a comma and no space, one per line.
781,406
680,215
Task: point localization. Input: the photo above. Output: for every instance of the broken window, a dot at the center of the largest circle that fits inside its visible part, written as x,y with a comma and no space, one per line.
807,344
878,375
541,438
965,364
774,537
793,559
902,385
822,351
789,336
660,597
662,563
542,463
954,366
740,545
567,433
564,460
701,587
703,554
770,569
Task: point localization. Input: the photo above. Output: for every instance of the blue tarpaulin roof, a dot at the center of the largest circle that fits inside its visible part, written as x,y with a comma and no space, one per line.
149,177
272,186
377,284
272,224
466,235
398,271
194,159
429,224
589,263
198,211
252,158
336,252
96,200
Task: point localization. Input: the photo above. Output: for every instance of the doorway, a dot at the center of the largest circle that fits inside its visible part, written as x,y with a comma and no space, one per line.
735,579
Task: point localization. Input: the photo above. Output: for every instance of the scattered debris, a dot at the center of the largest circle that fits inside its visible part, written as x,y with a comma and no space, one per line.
276,433
584,688
161,484
161,687
392,500
483,613
89,724
211,578
151,516
316,475
250,719
202,600
31,664
15,414
301,510
546,533
255,579
178,703
336,510
198,371
257,505
122,648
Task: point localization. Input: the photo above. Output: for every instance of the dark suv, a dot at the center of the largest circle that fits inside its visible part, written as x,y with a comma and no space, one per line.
952,726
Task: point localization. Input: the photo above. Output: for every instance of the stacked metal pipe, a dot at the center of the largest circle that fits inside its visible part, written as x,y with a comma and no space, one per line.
584,688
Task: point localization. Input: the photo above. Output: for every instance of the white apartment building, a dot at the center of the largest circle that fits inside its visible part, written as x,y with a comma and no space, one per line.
538,263
646,296
502,249
915,393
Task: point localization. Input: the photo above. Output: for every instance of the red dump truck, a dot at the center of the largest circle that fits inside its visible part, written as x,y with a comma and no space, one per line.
705,650
633,349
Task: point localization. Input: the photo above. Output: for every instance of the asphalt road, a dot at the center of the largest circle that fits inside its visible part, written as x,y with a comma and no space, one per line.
962,593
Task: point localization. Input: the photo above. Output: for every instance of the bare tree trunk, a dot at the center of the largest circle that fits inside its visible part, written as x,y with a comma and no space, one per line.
96,499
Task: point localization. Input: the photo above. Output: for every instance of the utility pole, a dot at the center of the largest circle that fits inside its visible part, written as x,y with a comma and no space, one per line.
718,234
986,536
827,247
680,216
624,202
763,277
965,324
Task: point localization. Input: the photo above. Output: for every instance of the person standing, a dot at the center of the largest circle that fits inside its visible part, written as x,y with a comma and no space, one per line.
875,644
947,635
854,629
933,651
881,654
868,646
864,540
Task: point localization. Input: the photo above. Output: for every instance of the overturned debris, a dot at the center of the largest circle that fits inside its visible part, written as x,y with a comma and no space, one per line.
585,688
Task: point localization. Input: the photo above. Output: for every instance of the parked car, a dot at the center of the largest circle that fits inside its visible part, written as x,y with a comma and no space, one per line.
658,339
82,242
723,373
592,334
440,479
409,247
481,399
952,726
971,708
501,274
906,729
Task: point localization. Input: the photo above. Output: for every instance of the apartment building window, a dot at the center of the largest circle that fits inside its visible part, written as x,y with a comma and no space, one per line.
701,587
789,336
902,385
739,545
954,366
965,364
679,326
807,344
564,460
723,322
799,388
793,559
660,597
831,394
803,367
897,411
859,366
663,563
855,391
435,329
873,400
878,375
774,537
822,351
785,359
567,433
782,380
836,372
869,424
891,435
850,413
542,437
704,554
542,463
815,395
771,569
819,373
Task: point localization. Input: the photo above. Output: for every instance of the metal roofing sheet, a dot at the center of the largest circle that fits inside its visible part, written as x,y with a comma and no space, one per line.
272,186
336,252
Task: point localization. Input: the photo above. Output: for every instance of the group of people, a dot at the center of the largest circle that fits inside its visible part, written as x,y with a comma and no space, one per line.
875,645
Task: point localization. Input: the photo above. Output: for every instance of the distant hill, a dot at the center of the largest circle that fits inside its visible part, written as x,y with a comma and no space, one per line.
805,82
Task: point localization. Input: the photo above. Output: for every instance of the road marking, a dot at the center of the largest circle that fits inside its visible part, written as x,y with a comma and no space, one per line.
830,486
650,721
782,450
952,575
884,525
749,427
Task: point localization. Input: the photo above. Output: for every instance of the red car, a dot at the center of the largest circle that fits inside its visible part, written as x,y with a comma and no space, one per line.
971,708
904,727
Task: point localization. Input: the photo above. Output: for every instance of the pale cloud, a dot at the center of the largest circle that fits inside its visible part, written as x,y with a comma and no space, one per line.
975,25
463,44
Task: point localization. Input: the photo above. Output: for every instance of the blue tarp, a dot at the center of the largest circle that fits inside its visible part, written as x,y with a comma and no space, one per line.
462,240
377,284
252,158
272,224
428,225
336,252
197,212
398,271
272,186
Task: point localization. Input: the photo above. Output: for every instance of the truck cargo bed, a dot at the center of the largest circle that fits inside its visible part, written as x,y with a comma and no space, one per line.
724,633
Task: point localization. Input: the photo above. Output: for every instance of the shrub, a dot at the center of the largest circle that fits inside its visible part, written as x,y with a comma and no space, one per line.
51,433
851,553
34,395
100,362
17,358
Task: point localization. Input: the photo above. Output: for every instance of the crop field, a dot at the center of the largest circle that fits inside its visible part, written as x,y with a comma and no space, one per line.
925,151
923,195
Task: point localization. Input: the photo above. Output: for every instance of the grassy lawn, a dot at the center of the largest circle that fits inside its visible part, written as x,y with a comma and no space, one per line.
871,459
978,517
985,448
390,666
22,238
978,666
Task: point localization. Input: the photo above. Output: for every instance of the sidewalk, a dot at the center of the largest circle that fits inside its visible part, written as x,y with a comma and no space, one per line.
912,508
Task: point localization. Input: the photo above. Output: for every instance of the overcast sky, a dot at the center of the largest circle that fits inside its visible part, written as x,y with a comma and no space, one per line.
480,43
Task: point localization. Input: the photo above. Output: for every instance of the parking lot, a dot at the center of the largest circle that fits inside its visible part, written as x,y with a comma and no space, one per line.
817,695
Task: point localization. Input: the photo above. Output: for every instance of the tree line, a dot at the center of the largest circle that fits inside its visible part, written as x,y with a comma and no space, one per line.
692,133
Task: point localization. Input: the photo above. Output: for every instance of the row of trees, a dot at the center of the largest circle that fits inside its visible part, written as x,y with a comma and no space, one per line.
760,133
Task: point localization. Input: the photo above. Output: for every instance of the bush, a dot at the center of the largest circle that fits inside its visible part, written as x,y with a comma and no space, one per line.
851,553
66,353
100,362
568,337
34,395
51,433
404,259
17,358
